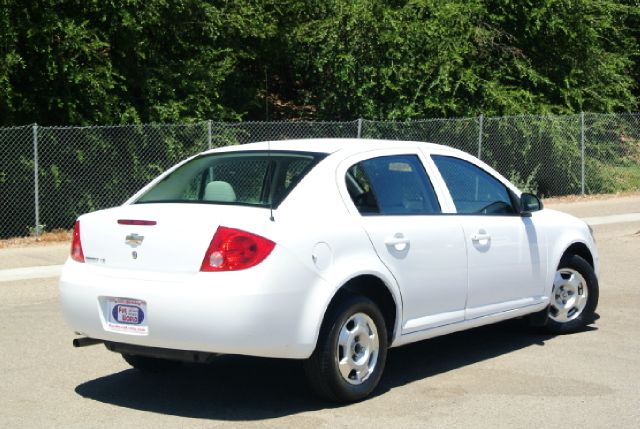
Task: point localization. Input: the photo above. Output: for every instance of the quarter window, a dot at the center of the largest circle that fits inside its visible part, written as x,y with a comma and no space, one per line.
474,191
391,185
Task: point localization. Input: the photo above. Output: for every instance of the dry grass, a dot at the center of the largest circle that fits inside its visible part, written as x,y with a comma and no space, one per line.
57,236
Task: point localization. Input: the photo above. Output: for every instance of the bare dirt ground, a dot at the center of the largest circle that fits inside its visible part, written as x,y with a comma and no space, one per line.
54,237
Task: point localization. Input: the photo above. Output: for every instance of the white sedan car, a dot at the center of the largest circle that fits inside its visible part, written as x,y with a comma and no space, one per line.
328,250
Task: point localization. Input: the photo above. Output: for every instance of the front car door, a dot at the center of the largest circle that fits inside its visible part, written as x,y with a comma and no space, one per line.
506,252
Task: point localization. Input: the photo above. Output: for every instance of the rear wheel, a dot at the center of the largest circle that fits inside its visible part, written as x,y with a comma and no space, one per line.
574,296
150,364
351,351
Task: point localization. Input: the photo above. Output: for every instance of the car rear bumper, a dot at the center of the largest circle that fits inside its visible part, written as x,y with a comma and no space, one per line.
256,312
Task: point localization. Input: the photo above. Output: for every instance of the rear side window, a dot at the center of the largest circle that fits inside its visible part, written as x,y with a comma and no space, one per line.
474,191
391,185
243,178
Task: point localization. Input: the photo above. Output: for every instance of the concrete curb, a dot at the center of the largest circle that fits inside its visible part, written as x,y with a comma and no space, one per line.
30,273
619,218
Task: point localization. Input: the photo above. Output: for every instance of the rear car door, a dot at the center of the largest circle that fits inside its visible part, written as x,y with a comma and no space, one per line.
506,252
397,205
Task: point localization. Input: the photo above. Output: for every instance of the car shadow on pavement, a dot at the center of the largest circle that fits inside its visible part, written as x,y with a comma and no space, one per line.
238,388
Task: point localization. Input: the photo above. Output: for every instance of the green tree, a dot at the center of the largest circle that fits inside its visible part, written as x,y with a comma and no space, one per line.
583,50
56,69
425,58
180,60
122,61
96,62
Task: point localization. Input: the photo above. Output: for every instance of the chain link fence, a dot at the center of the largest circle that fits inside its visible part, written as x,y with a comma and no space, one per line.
17,176
50,175
612,153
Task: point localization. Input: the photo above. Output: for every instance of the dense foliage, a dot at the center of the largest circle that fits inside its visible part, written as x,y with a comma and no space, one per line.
110,61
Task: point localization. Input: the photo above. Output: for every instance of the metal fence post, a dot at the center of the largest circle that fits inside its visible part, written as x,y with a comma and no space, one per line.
35,180
359,127
209,133
582,160
481,119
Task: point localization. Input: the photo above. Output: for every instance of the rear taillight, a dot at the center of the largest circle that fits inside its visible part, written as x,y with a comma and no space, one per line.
233,249
76,244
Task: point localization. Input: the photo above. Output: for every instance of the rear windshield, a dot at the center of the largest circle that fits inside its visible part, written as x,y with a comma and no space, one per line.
256,178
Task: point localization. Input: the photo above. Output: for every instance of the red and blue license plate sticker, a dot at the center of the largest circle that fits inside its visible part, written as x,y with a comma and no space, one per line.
127,315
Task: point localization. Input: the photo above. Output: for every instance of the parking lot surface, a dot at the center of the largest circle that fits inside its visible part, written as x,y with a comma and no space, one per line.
505,375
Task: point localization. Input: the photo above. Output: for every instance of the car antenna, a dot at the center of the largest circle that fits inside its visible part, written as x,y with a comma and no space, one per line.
271,181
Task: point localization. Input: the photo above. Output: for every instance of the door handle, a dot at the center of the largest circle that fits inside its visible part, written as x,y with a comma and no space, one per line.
480,236
398,242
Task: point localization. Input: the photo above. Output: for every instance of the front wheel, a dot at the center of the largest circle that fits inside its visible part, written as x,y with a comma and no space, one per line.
351,351
574,296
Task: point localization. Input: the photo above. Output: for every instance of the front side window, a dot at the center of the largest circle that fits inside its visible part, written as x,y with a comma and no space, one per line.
474,191
245,178
391,185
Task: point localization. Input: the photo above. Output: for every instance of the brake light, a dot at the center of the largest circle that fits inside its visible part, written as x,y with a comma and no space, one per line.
233,249
137,222
76,245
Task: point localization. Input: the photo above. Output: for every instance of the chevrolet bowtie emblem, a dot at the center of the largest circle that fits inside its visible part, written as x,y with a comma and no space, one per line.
134,240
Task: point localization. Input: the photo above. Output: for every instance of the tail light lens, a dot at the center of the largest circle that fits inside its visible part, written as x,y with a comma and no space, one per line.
233,249
76,245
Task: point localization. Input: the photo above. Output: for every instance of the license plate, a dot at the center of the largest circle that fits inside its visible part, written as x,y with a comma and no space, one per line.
127,315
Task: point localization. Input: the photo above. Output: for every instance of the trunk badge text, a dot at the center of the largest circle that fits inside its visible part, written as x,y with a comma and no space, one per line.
134,240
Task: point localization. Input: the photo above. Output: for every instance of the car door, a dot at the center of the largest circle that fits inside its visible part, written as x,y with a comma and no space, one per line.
505,251
398,207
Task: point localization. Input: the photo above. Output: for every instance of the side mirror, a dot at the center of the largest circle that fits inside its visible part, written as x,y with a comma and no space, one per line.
529,203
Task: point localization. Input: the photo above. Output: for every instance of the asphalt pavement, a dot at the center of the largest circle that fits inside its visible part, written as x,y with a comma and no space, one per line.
499,376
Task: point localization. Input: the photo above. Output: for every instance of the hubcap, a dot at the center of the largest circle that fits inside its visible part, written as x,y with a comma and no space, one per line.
569,295
358,348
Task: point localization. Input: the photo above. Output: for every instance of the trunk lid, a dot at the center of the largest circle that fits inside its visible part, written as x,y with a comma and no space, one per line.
177,242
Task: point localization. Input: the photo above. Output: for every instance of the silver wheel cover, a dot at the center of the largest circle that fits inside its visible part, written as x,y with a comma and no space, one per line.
569,295
357,349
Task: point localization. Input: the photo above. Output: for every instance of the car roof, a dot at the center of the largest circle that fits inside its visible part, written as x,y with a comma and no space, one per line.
333,145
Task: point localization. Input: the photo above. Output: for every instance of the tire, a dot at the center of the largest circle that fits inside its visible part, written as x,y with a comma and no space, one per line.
574,297
150,364
351,352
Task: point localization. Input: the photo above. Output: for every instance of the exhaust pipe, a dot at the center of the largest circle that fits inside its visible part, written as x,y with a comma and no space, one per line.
86,341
